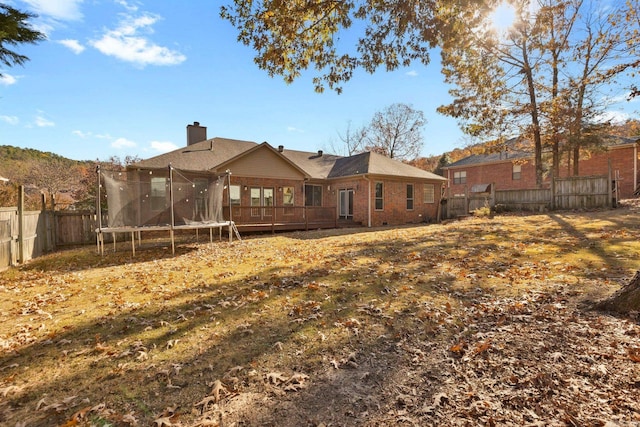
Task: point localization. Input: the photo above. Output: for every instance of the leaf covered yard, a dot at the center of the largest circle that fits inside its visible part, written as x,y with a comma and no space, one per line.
484,321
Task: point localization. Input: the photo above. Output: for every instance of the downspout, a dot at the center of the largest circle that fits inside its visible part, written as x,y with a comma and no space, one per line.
366,178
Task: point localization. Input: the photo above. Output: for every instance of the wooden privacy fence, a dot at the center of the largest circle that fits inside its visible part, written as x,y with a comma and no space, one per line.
580,192
534,199
25,235
29,234
584,192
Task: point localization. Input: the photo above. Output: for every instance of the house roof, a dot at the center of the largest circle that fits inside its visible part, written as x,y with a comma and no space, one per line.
199,157
214,153
609,141
316,165
477,159
377,164
612,141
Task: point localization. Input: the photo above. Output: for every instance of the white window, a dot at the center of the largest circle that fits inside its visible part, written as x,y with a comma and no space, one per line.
158,194
234,195
429,193
379,203
517,172
287,196
201,190
409,197
313,195
460,177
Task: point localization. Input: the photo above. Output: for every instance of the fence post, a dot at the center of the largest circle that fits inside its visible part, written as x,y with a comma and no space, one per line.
553,192
466,201
45,217
21,224
492,202
54,226
609,186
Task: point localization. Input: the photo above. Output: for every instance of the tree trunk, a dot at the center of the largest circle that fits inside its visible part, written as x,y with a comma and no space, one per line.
626,299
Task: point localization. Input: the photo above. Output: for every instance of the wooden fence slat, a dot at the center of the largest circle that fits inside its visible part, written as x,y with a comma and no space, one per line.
582,192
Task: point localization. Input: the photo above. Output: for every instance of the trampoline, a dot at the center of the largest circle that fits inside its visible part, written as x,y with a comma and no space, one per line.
142,200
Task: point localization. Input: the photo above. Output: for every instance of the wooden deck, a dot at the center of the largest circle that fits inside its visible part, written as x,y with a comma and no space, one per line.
295,226
286,218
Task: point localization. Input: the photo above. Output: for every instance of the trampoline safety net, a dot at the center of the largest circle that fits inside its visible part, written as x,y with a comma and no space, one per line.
164,198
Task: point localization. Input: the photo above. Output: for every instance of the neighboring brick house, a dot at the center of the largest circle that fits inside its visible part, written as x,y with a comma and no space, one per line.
514,170
290,188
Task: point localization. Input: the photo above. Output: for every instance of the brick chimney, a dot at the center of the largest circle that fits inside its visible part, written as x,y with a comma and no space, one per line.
196,133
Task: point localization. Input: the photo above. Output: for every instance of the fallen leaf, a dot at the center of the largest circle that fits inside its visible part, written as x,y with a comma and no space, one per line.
218,387
276,378
163,422
482,347
634,354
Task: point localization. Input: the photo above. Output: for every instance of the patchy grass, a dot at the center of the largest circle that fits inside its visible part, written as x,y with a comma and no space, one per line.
338,327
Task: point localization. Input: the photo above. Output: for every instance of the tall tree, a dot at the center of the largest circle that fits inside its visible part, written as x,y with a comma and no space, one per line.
602,45
292,36
15,30
539,75
632,21
396,132
494,76
353,140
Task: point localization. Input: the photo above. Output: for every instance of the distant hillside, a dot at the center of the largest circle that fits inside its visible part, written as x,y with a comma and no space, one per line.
9,152
42,173
17,163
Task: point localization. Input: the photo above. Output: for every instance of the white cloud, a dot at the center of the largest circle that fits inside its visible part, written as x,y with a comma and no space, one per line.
163,146
127,44
12,120
123,143
81,134
74,45
412,73
613,116
127,5
294,129
7,79
42,122
63,10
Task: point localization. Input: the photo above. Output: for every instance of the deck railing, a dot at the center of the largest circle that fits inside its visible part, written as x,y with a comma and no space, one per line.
283,217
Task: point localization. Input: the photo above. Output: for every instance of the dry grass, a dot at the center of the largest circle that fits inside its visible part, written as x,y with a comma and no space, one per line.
288,329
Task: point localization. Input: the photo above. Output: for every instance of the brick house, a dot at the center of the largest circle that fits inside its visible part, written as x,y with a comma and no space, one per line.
515,170
278,188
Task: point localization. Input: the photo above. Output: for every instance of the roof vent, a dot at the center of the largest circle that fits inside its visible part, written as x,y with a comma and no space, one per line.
319,153
281,148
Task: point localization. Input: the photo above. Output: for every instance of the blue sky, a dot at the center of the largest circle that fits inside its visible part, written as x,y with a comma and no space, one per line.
125,77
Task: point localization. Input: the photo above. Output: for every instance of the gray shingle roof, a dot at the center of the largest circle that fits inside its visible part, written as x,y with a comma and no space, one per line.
610,141
315,165
199,157
615,141
477,159
377,164
207,155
